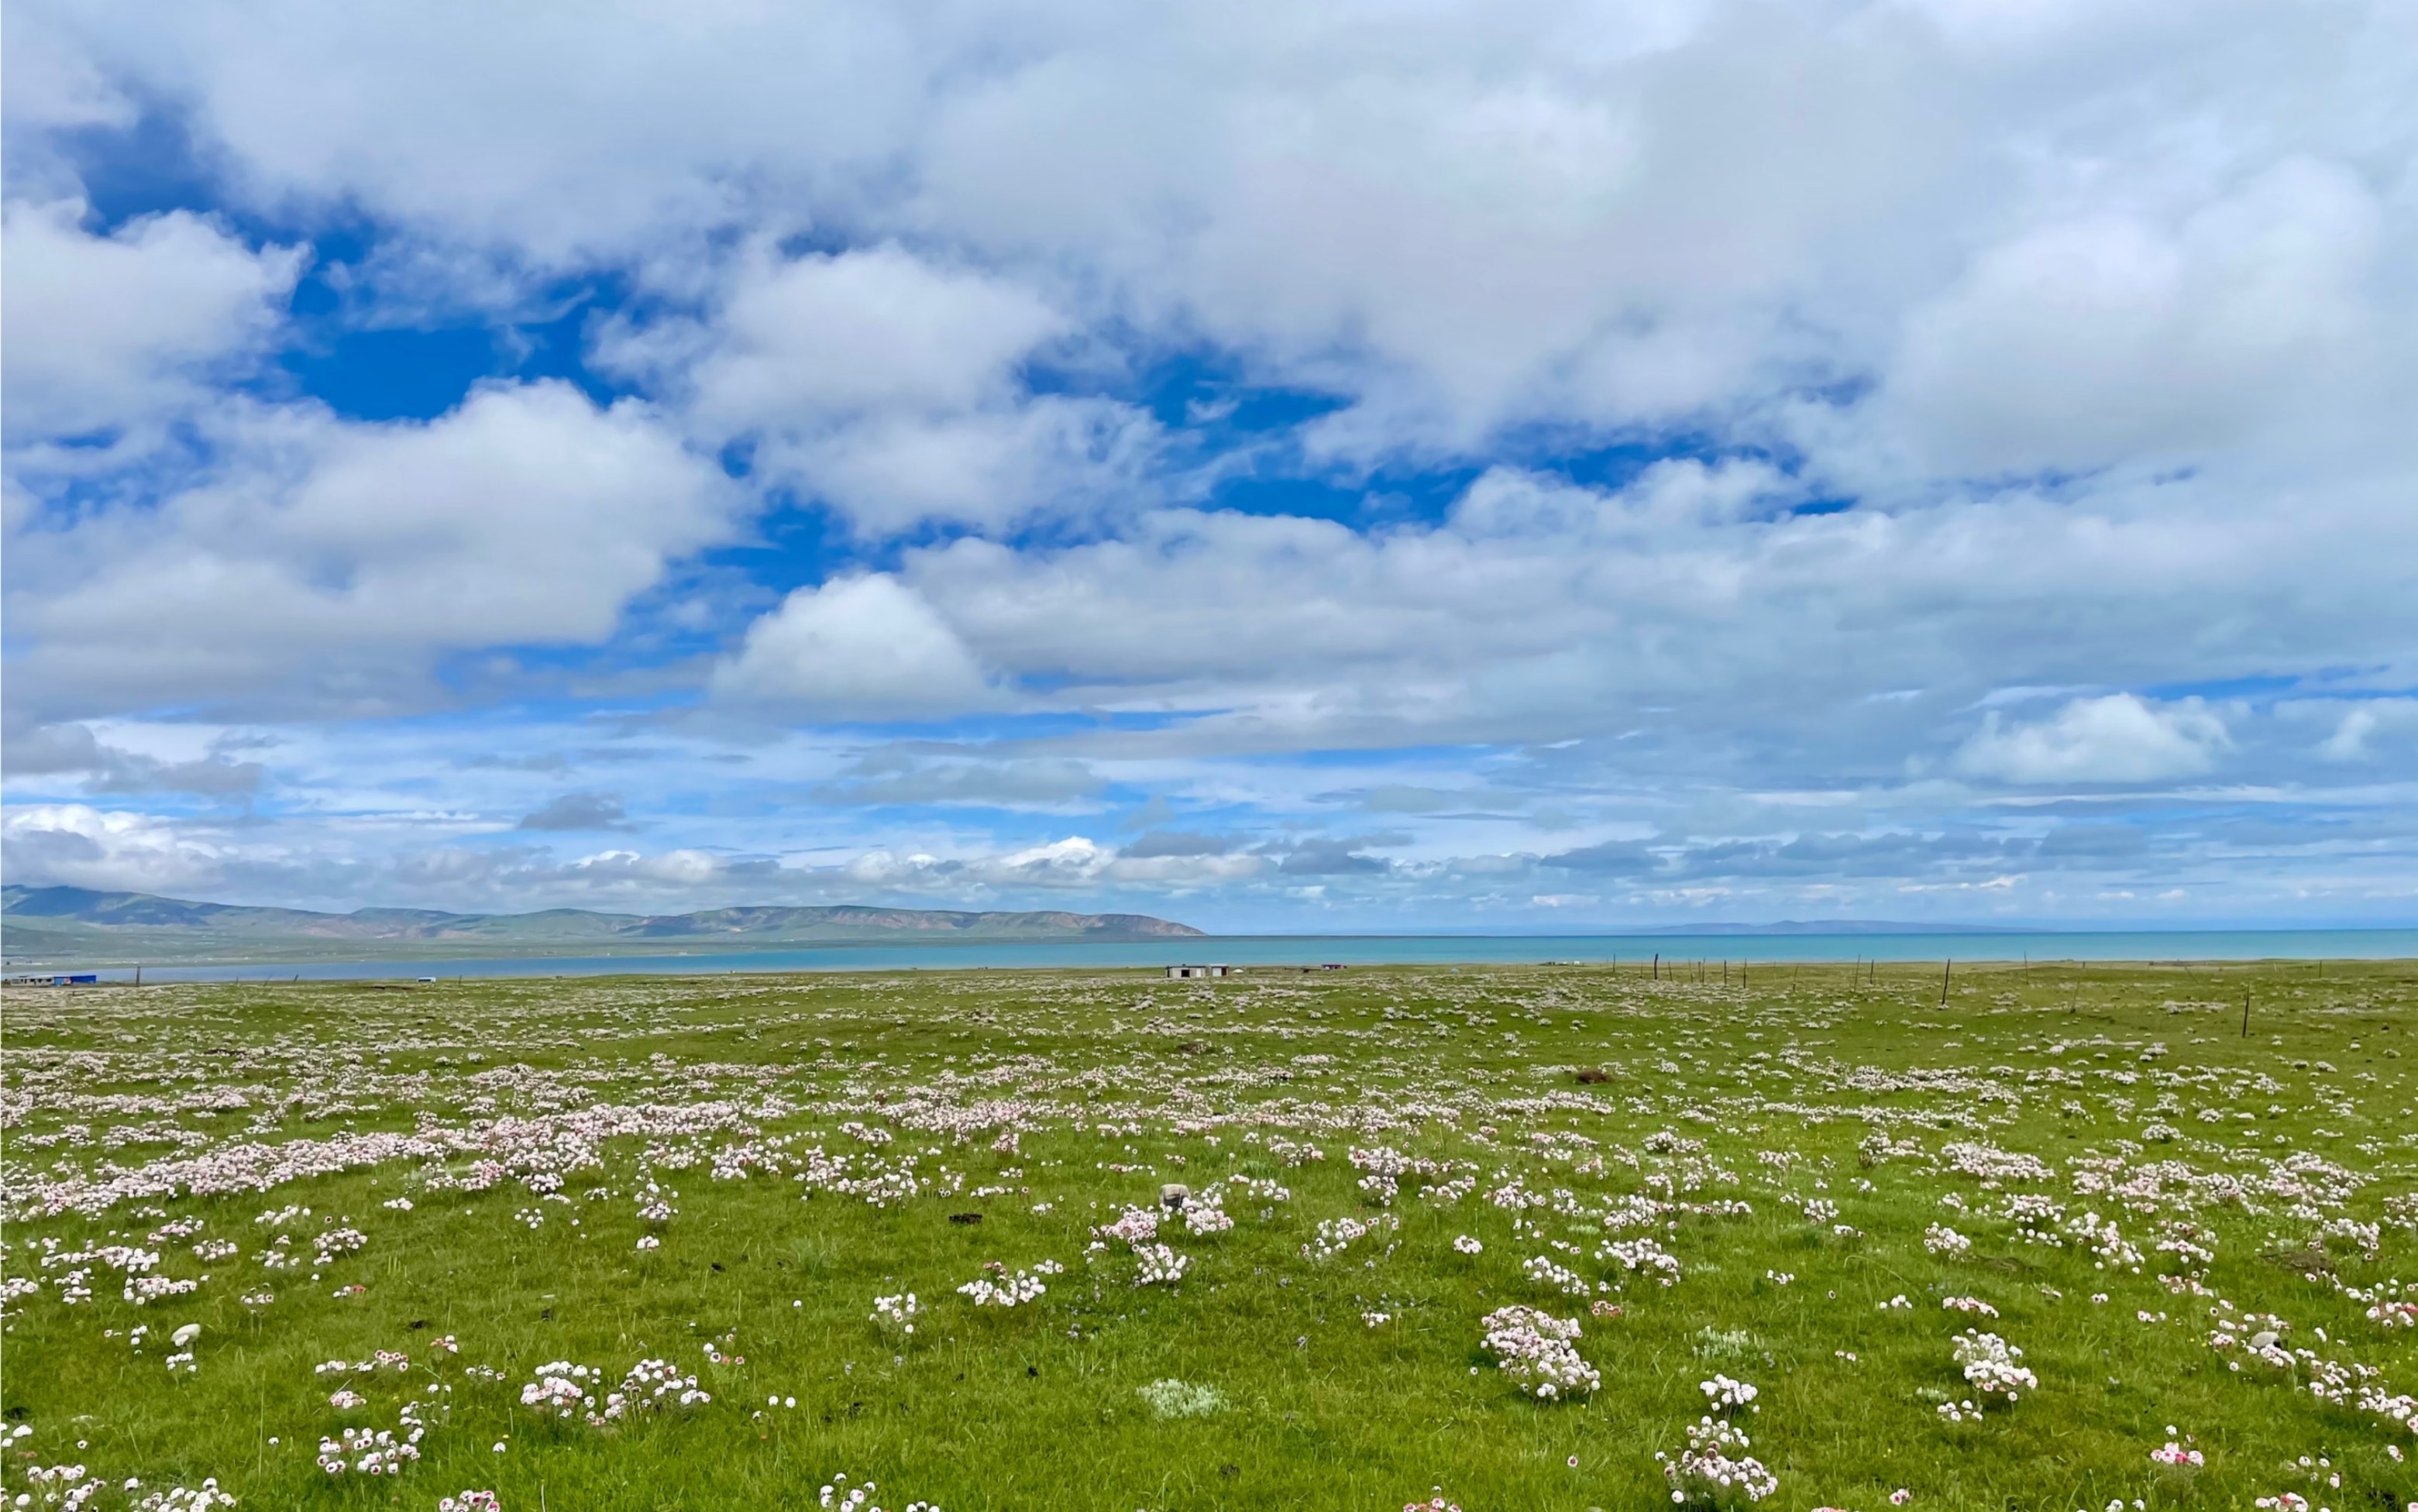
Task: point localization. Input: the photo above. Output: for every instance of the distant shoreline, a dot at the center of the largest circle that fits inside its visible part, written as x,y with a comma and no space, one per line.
1283,950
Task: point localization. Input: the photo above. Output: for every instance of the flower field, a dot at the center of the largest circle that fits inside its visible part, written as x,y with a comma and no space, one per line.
1491,1239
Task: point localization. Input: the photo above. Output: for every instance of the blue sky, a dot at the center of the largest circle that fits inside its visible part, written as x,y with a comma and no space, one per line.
1274,468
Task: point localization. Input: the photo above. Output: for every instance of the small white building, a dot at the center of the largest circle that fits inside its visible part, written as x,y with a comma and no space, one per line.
1189,973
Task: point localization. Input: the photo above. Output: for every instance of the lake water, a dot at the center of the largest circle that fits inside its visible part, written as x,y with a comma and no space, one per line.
1371,949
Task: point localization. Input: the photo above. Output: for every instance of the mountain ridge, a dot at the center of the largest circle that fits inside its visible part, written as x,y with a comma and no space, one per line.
74,920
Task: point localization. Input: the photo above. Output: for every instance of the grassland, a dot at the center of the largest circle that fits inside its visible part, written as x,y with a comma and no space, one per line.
388,1211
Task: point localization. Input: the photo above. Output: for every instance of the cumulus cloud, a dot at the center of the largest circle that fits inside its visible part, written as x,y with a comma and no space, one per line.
1542,611
874,329
866,646
2112,338
2121,738
73,844
119,330
324,562
1054,456
889,387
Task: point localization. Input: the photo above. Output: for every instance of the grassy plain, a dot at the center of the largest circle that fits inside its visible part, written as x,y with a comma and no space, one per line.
725,1173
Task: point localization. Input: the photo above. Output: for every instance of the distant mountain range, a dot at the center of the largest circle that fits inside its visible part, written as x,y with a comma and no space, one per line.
75,923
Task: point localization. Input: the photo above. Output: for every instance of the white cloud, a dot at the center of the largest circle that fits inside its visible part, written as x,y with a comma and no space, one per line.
889,387
1057,457
2355,737
1475,216
2121,738
117,330
2112,338
638,873
877,328
327,561
73,844
1539,611
856,648
48,83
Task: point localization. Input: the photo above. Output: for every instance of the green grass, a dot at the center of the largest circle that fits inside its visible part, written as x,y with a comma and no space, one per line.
1781,1083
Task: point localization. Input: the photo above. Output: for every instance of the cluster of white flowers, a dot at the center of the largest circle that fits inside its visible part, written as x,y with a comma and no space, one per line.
1941,1240
2401,1411
1385,1168
1990,1365
1641,1255
2103,1239
896,1313
559,1389
1335,1236
1539,1352
141,1291
2349,1234
1971,1305
1541,1270
470,1501
652,1386
1158,1265
62,1486
1012,1291
1467,1245
368,1453
1723,1395
1008,1290
1204,1219
1136,1226
1715,1467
